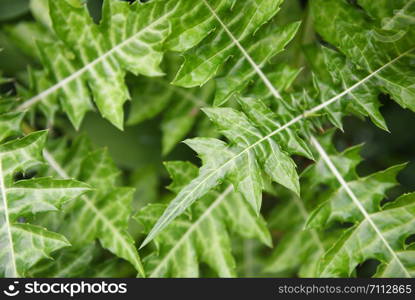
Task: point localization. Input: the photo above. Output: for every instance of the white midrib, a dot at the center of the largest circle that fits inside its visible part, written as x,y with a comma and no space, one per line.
244,52
359,205
276,94
61,172
278,130
191,229
8,225
88,66
315,142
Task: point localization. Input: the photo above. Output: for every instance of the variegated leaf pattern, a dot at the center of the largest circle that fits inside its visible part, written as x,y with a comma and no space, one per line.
106,210
24,244
205,234
68,263
345,58
395,222
368,47
244,160
129,38
372,234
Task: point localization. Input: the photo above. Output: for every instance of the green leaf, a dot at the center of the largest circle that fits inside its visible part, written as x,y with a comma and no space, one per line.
241,163
243,19
238,72
69,263
370,191
203,237
129,38
23,244
76,65
10,124
376,232
395,222
40,11
237,128
102,214
369,47
364,99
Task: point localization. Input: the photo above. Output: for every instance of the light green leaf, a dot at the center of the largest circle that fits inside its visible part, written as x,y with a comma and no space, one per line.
69,263
129,38
23,244
237,128
203,237
10,124
102,214
244,18
395,222
368,47
370,191
238,72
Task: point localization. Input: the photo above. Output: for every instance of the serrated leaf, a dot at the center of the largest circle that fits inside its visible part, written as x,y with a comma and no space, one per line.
102,214
375,233
199,186
130,38
361,242
368,48
23,245
240,163
370,191
243,19
69,263
203,237
238,72
237,128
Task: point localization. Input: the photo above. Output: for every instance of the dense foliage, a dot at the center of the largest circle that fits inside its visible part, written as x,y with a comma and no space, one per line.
272,100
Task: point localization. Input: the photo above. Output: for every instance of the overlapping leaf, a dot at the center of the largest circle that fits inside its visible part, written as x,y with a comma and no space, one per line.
102,214
24,244
91,56
204,235
395,222
369,47
148,29
68,263
300,249
233,40
361,241
239,162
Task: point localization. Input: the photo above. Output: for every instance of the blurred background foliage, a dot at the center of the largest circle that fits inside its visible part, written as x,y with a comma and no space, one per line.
141,149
